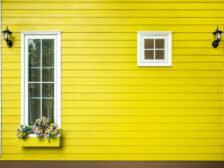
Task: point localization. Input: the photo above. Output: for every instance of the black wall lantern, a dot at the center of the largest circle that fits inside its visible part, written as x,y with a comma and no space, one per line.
7,38
217,36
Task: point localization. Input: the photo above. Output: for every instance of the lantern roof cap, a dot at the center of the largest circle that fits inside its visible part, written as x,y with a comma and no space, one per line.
217,31
7,31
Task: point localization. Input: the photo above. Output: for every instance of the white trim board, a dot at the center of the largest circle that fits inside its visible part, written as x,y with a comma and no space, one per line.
41,35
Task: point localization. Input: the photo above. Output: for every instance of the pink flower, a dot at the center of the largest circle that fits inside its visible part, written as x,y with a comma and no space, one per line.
34,128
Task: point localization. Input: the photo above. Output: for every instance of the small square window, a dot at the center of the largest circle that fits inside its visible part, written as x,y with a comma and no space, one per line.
154,48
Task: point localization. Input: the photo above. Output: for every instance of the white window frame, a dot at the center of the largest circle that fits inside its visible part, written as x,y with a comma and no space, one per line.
25,35
167,36
0,82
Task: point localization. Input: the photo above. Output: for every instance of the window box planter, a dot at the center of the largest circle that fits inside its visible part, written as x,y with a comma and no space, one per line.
34,141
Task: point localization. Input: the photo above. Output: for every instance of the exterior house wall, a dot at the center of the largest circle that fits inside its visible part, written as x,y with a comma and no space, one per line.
112,109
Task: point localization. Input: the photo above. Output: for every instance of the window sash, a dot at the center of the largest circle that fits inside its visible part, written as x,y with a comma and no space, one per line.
165,60
56,36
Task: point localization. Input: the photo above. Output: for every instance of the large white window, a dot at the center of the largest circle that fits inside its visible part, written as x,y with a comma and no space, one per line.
154,48
41,76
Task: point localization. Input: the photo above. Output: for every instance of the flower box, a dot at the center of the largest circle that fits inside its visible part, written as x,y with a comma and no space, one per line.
33,141
44,133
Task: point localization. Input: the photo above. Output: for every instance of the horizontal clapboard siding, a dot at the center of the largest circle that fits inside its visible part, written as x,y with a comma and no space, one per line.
112,109
104,13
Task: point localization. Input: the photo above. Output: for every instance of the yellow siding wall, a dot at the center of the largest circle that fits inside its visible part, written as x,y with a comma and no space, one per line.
112,109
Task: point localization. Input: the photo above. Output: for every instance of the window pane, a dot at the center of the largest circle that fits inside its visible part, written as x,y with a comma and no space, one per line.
48,52
48,90
159,43
34,53
149,43
48,75
149,54
34,110
159,54
48,108
34,75
34,90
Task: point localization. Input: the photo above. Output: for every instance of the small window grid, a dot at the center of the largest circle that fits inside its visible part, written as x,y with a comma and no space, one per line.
158,51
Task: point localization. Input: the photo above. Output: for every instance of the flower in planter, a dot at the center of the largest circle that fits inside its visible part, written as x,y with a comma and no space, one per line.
43,127
23,131
53,130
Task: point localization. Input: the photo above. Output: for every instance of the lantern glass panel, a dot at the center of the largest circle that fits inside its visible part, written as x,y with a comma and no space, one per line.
219,36
6,35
